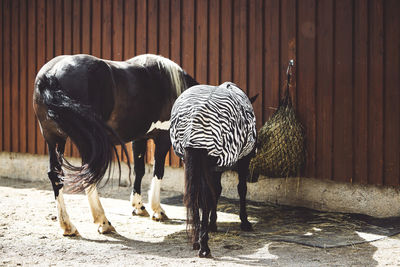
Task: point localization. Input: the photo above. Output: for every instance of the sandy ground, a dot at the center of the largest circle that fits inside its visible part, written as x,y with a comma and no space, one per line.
30,235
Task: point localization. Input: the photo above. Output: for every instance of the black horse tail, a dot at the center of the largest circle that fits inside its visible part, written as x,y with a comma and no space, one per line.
199,192
91,135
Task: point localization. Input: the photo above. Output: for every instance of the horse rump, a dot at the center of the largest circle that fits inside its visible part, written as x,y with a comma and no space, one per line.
91,135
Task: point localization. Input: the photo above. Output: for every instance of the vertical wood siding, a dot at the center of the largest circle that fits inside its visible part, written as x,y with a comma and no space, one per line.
347,55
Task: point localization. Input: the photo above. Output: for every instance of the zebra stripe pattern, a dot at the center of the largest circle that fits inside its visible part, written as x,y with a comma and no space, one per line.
217,118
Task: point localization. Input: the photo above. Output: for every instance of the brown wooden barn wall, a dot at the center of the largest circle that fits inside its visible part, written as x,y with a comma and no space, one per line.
347,54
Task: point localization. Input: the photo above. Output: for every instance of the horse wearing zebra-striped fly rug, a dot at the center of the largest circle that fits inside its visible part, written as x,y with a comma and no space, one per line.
213,129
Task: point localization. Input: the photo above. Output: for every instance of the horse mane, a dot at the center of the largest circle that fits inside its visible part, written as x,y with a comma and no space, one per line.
176,74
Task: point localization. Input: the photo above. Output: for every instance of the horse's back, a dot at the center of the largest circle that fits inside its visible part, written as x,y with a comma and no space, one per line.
217,118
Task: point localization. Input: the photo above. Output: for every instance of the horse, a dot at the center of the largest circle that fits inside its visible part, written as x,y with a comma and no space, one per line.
99,104
212,129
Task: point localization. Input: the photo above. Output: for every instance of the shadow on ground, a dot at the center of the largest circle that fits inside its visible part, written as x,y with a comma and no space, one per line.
279,232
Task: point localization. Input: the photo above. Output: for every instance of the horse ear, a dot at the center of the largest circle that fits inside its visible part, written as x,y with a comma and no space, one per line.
252,99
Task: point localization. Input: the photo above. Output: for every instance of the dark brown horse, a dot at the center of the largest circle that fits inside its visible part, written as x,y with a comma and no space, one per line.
99,104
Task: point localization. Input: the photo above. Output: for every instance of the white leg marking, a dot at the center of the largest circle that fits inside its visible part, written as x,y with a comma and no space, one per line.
154,199
97,211
63,218
137,204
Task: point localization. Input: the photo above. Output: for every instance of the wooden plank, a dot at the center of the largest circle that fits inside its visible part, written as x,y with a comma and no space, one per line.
49,29
188,36
76,44
202,42
117,41
271,58
164,24
7,74
23,105
361,92
129,29
96,28
130,152
324,87
392,94
167,159
141,27
31,75
214,43
14,76
240,44
375,93
164,41
67,50
175,52
150,152
187,41
152,31
118,48
76,26
40,59
288,45
176,31
58,27
255,45
86,27
1,75
67,22
342,114
226,71
49,34
306,68
106,43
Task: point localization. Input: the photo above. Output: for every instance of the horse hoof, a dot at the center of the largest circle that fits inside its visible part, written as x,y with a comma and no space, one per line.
196,246
140,212
72,231
106,228
159,216
246,226
205,253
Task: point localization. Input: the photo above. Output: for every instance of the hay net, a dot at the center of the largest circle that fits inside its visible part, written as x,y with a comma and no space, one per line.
281,142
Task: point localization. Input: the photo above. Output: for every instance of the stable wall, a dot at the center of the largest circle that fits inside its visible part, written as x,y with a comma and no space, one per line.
347,58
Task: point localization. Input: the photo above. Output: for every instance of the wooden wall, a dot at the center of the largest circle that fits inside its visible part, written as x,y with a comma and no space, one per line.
347,55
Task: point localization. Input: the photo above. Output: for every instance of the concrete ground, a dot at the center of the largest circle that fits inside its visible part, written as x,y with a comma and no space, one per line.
30,235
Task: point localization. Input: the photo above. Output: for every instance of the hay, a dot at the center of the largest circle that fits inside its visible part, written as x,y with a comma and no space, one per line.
281,143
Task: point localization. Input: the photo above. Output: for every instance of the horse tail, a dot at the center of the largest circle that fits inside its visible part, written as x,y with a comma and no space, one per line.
91,135
199,192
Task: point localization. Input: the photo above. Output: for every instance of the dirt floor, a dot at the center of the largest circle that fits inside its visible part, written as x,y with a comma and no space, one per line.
30,235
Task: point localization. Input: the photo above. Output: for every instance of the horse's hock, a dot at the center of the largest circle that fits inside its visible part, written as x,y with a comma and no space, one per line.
324,195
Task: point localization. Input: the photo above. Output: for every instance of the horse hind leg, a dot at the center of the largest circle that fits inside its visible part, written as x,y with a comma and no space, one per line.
218,188
203,238
243,172
56,146
139,150
99,218
162,145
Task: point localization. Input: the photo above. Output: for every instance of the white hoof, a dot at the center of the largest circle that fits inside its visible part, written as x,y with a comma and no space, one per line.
105,228
159,215
70,231
138,207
